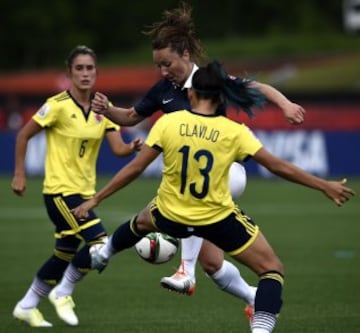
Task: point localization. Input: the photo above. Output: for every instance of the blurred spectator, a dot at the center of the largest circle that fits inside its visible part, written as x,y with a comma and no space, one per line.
13,110
28,112
14,121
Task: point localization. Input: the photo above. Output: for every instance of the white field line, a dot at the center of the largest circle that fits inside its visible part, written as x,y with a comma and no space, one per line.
296,209
40,213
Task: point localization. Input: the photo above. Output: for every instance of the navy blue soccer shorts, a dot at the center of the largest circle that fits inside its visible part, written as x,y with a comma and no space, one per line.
69,229
233,234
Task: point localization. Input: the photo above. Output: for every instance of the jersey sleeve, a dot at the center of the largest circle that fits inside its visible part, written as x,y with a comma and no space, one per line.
149,104
111,126
46,116
156,133
250,144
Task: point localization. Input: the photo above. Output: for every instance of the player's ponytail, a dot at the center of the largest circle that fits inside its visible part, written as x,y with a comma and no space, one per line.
214,83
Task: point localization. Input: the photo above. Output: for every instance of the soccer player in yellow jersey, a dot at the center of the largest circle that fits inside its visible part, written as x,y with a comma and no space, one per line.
74,134
177,53
198,148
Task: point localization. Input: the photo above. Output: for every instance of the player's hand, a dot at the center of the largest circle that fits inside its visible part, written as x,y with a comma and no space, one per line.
82,211
100,103
18,185
294,113
136,144
338,192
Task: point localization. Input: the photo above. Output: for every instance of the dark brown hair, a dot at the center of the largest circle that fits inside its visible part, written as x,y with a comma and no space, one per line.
177,31
80,49
214,83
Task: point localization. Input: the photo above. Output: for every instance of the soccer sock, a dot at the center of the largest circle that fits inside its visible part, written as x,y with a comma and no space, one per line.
37,290
82,260
190,248
263,322
75,271
67,284
229,279
268,302
53,269
125,236
260,330
268,296
107,250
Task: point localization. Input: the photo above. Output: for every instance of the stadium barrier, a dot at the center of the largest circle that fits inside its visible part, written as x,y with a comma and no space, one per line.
327,144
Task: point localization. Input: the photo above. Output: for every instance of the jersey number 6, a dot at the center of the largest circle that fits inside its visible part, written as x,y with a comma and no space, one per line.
82,147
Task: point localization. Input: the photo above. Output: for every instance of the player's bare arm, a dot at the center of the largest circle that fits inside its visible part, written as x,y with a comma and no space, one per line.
122,116
18,183
334,190
119,147
293,112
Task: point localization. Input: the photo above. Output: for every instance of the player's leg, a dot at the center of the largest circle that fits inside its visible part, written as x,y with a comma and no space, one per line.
261,258
69,230
225,275
49,274
241,238
183,281
190,248
125,236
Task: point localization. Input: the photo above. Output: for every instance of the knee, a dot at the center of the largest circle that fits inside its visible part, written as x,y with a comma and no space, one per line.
210,264
142,224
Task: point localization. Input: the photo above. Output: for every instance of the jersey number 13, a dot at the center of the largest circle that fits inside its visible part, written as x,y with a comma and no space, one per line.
187,155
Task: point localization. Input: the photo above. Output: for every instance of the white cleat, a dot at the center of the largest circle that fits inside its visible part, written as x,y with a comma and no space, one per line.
98,261
31,316
179,282
64,307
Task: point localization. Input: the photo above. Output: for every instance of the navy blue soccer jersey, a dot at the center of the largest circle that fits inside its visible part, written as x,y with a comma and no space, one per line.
164,96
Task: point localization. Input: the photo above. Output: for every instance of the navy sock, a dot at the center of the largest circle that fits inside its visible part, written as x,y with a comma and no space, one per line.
82,260
125,236
52,270
268,295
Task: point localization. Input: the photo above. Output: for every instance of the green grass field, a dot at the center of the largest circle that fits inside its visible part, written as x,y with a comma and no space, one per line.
317,241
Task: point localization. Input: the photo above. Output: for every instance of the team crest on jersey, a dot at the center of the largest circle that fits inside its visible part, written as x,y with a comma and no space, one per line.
98,118
43,111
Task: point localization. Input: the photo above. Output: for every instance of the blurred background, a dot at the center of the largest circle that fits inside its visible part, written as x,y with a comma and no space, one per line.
308,51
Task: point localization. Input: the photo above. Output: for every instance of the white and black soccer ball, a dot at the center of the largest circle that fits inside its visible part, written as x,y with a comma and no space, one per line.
157,247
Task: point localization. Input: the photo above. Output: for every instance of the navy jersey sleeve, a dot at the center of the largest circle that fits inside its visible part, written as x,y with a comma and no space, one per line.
149,104
164,96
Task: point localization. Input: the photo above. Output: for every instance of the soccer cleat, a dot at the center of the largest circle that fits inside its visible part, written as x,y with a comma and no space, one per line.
180,282
64,307
31,316
249,313
98,261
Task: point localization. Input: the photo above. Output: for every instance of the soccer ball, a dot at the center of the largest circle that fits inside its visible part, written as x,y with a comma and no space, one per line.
157,248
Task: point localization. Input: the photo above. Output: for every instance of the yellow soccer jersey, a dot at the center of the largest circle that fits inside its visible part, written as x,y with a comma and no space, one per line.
73,142
198,151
